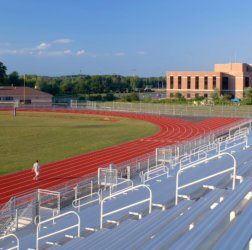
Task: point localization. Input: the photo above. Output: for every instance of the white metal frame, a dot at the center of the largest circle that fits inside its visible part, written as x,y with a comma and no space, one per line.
240,138
188,159
213,146
52,193
244,130
77,202
207,177
173,156
149,199
123,181
239,126
38,238
106,181
155,170
11,235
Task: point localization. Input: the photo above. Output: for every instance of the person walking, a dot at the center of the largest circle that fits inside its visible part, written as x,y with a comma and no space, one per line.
35,169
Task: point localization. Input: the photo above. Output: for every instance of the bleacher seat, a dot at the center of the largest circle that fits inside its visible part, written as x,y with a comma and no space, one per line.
199,236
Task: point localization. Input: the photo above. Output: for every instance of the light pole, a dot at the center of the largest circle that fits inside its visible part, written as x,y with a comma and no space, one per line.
24,88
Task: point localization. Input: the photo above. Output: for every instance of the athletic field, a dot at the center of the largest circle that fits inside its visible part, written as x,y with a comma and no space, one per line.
171,130
50,137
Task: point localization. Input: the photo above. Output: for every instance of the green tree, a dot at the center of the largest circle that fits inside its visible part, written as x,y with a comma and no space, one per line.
13,79
133,83
3,70
248,96
215,95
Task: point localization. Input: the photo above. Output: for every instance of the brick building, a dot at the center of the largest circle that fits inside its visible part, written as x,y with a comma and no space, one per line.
24,95
230,79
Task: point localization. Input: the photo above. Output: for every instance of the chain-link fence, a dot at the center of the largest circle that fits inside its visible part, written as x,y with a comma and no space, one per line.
180,110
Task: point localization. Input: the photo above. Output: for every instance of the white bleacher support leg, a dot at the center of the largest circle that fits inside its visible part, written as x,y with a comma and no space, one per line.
16,219
209,187
91,189
214,205
113,222
191,226
232,216
136,214
128,172
159,205
248,196
156,156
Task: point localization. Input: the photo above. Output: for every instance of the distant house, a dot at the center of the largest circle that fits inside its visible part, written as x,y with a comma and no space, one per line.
24,95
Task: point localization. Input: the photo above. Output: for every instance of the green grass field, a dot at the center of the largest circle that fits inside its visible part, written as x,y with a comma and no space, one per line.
49,137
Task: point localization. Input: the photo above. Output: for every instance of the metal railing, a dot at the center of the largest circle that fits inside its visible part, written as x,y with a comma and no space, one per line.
115,186
149,200
169,109
207,177
192,158
77,202
233,141
157,171
8,236
77,225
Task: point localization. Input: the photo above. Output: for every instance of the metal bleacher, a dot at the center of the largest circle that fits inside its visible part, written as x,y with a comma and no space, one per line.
204,237
212,217
242,227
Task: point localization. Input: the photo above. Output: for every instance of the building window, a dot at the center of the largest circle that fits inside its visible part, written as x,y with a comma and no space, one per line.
214,82
171,95
171,82
205,82
205,95
225,82
197,95
188,82
246,82
196,82
8,98
188,95
179,82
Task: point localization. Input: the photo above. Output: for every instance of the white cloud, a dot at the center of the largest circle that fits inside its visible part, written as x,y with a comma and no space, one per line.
13,51
141,52
43,46
120,54
63,40
80,52
67,51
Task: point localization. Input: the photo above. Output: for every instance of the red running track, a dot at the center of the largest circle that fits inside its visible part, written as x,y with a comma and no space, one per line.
172,130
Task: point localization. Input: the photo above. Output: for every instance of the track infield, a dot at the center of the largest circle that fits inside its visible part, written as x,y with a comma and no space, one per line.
172,130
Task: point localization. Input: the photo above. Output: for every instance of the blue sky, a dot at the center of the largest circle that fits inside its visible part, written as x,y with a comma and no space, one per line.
127,37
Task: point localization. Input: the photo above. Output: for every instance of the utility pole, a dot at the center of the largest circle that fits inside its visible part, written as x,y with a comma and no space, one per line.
24,88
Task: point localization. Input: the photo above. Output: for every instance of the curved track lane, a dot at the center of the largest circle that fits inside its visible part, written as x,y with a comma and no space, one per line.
172,130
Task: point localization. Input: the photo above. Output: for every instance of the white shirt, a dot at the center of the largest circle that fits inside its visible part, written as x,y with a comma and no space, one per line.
36,167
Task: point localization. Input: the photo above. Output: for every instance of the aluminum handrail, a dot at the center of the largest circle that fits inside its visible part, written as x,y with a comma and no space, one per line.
188,158
11,235
146,175
102,215
208,177
59,231
118,184
76,202
238,126
232,139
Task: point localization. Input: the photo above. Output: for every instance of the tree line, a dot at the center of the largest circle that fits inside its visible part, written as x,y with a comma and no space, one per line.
81,84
